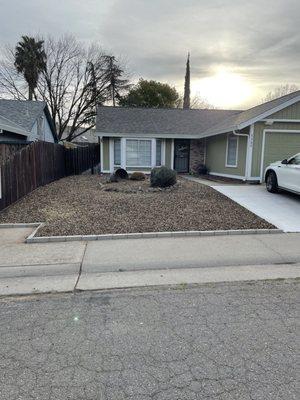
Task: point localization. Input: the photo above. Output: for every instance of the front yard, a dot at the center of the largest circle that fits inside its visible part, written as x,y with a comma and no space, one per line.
83,205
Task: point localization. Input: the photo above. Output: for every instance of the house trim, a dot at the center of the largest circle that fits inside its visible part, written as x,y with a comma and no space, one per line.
163,152
269,112
250,139
172,154
282,120
264,144
228,175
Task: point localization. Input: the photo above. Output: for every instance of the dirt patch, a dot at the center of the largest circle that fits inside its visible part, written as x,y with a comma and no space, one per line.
81,205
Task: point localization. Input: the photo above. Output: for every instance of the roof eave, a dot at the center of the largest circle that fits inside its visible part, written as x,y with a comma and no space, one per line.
269,112
150,135
14,129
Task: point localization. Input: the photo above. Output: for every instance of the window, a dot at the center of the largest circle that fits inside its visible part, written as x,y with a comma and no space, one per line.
158,152
295,160
232,149
117,151
138,153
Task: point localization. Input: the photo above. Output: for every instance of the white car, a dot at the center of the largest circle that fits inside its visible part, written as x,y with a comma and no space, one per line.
284,175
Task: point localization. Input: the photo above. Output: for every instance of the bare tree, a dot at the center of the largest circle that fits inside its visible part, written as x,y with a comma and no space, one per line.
280,91
12,84
196,102
74,82
201,103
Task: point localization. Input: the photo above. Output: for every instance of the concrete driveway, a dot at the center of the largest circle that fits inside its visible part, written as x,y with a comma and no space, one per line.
281,209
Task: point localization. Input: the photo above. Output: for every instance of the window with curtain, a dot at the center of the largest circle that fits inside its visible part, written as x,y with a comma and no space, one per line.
232,147
117,151
138,153
158,152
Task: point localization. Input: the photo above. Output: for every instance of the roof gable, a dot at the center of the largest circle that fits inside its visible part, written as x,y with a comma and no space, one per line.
22,112
254,114
19,116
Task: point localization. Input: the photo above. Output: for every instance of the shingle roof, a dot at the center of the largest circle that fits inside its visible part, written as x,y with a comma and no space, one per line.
244,118
21,113
6,123
125,120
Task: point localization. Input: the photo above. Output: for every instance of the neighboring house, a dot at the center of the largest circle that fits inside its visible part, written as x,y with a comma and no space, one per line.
234,144
23,121
86,137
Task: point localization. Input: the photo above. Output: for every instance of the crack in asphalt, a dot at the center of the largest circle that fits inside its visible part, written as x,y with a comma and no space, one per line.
80,268
214,341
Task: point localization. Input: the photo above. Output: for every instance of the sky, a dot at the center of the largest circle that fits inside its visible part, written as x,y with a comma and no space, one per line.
240,49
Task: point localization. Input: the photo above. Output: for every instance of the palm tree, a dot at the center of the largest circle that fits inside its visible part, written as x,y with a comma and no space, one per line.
30,60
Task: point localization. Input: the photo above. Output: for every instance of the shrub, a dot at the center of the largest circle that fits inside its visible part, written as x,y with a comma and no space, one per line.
137,176
121,173
202,169
162,177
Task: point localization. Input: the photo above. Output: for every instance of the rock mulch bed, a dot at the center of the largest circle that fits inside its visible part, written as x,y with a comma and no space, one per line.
84,205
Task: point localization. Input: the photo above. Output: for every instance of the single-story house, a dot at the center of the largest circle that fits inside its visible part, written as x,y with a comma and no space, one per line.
231,143
25,121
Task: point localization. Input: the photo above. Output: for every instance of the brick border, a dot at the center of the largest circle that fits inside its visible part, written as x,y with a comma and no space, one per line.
144,235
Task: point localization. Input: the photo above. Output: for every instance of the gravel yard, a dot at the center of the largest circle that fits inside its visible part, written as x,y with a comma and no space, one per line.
82,205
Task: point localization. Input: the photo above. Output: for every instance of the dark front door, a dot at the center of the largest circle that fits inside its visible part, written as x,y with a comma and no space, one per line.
181,155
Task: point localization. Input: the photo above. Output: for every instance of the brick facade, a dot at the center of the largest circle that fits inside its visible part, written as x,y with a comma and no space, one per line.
197,154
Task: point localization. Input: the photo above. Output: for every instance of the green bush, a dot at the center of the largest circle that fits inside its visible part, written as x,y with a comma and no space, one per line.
137,176
162,177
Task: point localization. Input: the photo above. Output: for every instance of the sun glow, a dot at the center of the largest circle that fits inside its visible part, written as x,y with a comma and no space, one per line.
224,89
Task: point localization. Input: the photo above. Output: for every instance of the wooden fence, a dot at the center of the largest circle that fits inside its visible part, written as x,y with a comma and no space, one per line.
41,163
6,150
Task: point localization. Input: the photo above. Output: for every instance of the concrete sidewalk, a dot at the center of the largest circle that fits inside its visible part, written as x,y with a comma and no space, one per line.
51,267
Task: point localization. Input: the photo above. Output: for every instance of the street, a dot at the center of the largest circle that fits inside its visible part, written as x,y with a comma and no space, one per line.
214,341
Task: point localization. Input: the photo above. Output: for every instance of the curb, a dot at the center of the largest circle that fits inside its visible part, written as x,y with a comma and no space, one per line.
21,225
147,235
144,235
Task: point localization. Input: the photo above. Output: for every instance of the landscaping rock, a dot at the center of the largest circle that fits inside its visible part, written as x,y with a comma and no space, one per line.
78,205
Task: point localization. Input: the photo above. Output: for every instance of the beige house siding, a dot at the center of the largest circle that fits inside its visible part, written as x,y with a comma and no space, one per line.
216,155
291,112
105,162
259,128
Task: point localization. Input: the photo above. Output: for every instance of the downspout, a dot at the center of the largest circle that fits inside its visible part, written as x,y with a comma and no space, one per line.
246,166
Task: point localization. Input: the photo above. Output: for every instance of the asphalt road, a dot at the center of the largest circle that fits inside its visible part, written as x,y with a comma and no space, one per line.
215,341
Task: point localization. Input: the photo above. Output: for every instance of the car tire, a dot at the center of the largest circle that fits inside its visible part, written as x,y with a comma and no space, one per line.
271,182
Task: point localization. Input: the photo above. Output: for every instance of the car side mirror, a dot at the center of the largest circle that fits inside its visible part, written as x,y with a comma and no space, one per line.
285,161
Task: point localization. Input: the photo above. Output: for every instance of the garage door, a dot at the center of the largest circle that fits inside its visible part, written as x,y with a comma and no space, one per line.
280,145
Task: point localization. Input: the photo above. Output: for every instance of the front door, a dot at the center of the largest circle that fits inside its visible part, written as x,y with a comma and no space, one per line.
181,155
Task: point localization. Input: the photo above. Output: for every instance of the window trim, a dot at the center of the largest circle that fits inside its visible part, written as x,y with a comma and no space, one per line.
119,164
236,154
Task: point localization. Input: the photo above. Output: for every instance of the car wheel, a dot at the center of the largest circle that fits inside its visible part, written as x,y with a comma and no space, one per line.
271,182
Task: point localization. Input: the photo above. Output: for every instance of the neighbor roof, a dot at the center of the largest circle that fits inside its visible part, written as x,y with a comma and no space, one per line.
175,121
20,115
247,117
8,125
